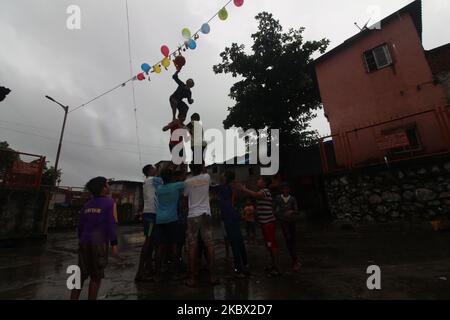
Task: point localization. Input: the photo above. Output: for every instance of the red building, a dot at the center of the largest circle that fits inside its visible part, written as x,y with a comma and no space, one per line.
380,95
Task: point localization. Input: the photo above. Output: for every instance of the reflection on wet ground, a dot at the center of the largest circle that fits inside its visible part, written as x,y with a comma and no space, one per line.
415,264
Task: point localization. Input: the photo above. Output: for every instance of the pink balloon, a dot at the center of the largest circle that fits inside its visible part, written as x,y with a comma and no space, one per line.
140,76
165,51
238,3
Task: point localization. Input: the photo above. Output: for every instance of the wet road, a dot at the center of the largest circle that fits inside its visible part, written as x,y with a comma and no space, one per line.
415,264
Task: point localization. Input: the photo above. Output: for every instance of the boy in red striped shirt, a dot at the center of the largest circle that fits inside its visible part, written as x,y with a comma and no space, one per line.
267,220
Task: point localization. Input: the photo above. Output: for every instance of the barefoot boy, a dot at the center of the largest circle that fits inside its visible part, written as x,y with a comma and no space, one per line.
96,232
183,92
264,213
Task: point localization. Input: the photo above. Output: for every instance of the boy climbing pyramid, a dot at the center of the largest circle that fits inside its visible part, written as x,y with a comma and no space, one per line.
183,92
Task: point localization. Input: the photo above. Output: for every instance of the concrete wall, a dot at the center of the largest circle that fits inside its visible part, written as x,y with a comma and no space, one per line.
22,214
419,191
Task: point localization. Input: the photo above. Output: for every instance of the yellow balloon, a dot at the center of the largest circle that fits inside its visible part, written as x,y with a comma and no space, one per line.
157,69
166,62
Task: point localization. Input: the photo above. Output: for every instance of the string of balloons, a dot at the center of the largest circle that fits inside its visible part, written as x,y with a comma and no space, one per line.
190,42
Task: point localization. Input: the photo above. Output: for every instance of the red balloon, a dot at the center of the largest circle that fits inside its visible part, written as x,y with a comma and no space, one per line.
179,62
141,76
238,3
165,51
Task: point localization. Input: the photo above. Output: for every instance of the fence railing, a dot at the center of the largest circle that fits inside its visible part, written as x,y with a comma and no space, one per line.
413,136
19,170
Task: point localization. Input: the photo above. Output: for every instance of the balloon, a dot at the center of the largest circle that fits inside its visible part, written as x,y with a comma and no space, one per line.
223,14
166,62
157,69
165,51
179,62
206,28
146,67
238,3
192,44
140,76
186,33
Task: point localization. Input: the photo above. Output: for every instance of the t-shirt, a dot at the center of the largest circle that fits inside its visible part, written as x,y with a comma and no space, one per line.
149,189
264,209
97,224
283,205
196,140
249,213
225,194
197,190
182,91
168,196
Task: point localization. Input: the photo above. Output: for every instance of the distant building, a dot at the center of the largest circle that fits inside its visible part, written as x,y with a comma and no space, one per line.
380,93
129,199
245,173
439,60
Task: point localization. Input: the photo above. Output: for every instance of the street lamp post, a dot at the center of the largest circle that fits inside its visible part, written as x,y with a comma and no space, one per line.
66,111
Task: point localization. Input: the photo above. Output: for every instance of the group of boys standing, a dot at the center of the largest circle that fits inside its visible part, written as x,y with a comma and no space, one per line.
177,213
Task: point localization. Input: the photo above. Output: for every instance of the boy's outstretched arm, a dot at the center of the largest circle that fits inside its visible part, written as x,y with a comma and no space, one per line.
177,80
112,229
253,194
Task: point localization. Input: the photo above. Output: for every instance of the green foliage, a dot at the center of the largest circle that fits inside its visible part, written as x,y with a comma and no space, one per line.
7,158
278,87
50,176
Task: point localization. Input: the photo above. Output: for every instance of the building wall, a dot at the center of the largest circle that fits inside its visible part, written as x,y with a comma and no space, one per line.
353,98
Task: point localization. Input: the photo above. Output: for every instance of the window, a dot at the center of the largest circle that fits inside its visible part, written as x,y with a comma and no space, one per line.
377,58
414,141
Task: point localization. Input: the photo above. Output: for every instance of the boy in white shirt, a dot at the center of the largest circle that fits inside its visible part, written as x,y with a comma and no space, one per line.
199,221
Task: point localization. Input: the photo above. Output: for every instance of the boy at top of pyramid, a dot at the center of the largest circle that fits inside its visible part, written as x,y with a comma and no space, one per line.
183,92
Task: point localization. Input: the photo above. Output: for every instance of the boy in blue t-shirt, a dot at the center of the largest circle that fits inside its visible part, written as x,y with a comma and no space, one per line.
165,234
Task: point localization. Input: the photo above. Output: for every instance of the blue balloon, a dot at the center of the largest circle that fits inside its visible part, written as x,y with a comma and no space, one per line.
206,28
192,44
146,67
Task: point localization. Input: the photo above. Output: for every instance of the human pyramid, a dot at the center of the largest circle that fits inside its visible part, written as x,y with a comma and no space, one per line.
177,215
179,113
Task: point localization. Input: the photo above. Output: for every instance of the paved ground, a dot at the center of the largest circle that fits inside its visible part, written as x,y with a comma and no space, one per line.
415,264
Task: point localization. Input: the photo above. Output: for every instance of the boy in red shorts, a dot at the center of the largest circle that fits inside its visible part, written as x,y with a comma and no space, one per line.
266,219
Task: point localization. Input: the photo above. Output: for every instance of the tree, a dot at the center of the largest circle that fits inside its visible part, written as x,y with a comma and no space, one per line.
7,156
50,176
3,93
278,88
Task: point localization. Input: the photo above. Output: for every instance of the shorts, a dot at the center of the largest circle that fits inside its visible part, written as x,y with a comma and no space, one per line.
149,223
202,226
92,260
269,234
250,226
224,230
182,107
181,233
193,149
165,234
173,145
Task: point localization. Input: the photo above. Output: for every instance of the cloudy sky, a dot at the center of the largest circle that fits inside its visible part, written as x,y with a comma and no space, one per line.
40,56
